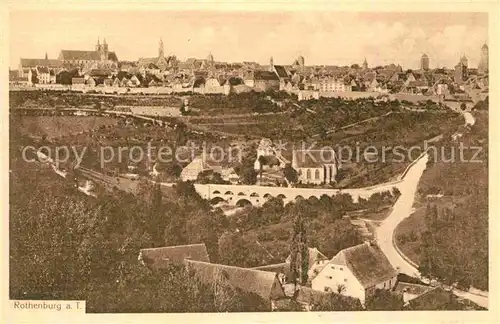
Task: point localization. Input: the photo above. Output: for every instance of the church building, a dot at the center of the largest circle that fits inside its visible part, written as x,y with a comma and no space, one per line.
100,56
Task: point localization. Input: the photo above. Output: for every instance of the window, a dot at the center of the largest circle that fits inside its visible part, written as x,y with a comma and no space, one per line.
316,174
345,279
341,268
329,277
308,174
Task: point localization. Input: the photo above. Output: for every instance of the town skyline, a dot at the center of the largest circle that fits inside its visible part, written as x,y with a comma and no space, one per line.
385,38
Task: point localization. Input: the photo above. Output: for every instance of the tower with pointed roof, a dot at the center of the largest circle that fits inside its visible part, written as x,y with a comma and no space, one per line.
483,63
98,45
365,65
161,53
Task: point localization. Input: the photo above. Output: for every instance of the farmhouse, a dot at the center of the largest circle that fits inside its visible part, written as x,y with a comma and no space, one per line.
261,283
357,272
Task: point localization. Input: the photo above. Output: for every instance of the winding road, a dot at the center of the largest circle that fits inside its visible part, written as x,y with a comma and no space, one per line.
402,209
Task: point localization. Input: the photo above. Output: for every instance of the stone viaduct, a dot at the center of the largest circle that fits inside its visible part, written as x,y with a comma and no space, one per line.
241,195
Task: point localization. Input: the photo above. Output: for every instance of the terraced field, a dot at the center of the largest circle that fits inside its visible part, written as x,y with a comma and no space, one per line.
57,126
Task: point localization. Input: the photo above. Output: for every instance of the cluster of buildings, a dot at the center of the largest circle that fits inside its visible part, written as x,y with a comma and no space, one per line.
312,166
101,68
356,272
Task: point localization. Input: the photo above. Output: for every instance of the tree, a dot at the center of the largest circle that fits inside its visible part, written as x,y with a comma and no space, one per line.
247,174
384,300
290,174
262,161
34,78
208,176
239,250
64,77
299,263
336,302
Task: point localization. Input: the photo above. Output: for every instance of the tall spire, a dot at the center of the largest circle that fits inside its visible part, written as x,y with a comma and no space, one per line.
365,64
46,56
104,41
98,43
161,53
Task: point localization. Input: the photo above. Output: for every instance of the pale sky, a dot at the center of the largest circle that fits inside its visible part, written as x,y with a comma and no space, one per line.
330,38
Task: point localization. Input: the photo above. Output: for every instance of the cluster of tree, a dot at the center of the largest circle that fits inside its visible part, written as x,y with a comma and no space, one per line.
268,234
454,247
264,235
72,99
209,176
65,245
451,242
335,112
245,169
242,102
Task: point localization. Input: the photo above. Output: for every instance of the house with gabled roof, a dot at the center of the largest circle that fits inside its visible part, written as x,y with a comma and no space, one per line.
316,261
116,82
262,80
432,299
43,74
410,291
357,272
162,257
264,284
91,82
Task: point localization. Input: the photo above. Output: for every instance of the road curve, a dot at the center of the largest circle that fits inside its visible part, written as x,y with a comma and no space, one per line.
402,209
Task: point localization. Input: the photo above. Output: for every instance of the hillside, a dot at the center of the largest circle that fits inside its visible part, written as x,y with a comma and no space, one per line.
448,233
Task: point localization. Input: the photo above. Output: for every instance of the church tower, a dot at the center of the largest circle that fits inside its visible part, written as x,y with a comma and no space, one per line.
98,46
365,64
271,64
104,51
483,63
161,53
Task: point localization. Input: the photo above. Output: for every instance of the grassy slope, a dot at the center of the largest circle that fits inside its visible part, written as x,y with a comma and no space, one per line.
59,126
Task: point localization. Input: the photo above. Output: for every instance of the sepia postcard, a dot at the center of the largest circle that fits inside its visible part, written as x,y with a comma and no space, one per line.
261,162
